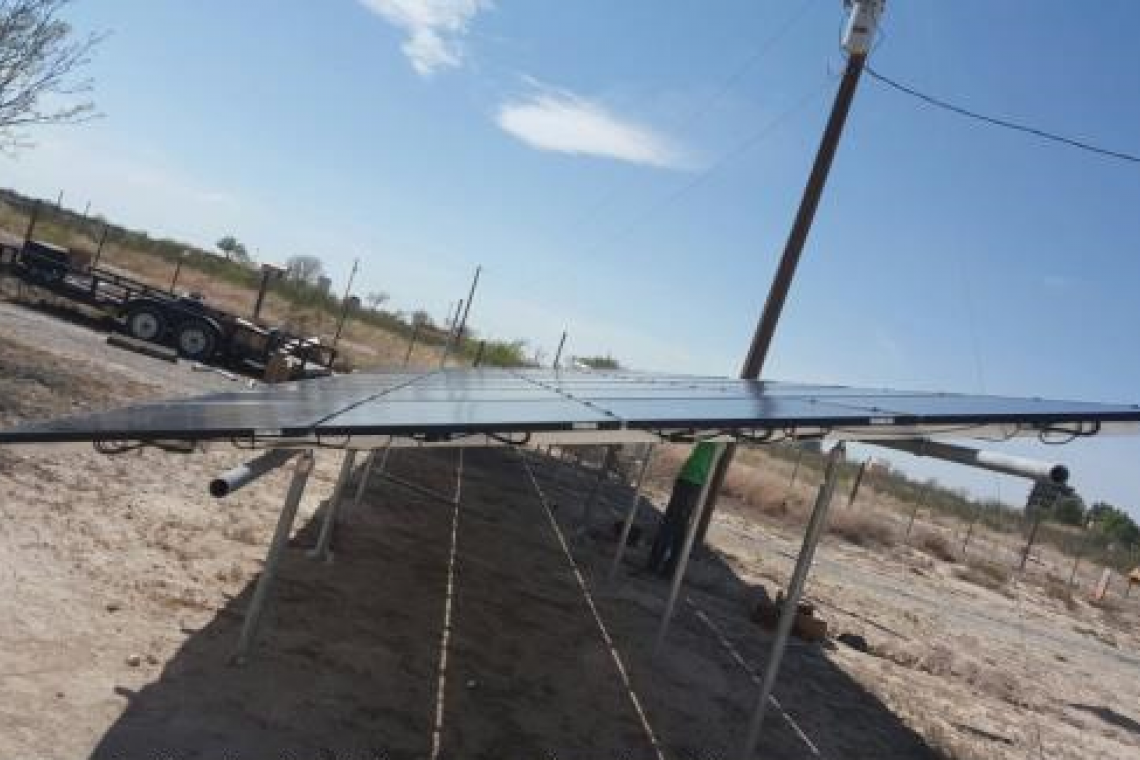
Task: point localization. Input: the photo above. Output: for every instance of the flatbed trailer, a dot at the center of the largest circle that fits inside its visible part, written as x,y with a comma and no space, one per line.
196,329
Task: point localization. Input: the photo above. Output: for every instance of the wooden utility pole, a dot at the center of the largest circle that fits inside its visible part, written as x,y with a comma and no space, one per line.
345,303
412,342
858,37
455,337
102,242
558,353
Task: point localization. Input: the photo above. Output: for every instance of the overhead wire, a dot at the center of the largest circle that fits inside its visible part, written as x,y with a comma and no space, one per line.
707,104
1042,134
704,175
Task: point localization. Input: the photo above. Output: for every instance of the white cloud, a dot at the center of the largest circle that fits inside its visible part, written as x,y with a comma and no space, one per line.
567,123
435,28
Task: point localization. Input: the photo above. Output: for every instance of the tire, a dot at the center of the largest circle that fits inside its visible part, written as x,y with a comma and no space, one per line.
47,275
196,339
146,323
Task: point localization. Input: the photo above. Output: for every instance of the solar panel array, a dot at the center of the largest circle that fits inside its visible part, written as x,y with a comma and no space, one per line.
451,405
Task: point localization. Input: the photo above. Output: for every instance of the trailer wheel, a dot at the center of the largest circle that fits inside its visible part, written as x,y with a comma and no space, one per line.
196,339
146,323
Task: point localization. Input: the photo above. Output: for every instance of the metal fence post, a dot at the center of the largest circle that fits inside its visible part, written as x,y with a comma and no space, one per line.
324,540
632,513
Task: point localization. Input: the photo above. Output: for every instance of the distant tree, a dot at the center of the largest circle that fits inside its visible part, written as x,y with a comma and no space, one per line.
376,299
40,58
503,353
599,362
1114,524
1069,510
1098,511
231,248
305,269
422,318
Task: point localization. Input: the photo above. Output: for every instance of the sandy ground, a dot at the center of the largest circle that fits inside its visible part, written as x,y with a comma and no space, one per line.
123,586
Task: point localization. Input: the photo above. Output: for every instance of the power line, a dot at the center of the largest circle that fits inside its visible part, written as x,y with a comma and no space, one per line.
995,121
707,104
704,175
765,47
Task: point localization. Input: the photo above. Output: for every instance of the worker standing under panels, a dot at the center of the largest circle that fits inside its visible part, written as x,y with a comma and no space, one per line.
686,493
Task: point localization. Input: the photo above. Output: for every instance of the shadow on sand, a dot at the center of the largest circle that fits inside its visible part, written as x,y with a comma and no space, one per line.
347,664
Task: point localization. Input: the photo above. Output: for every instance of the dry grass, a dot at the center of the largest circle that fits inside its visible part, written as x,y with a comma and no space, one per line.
935,544
1112,611
1055,588
982,572
862,529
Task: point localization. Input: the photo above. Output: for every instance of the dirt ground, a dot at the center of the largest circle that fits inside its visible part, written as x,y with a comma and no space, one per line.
465,632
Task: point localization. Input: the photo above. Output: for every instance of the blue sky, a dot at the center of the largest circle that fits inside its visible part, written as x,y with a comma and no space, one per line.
629,171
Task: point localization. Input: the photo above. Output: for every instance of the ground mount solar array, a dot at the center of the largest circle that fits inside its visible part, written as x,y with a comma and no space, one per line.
497,406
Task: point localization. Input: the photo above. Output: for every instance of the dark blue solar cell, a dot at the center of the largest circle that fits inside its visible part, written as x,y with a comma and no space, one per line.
504,401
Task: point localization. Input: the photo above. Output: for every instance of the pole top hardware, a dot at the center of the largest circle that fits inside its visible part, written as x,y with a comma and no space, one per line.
862,24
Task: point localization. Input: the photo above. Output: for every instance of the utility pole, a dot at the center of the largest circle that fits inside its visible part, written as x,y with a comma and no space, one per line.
268,272
858,37
178,271
456,336
102,242
412,342
558,353
453,326
33,219
345,302
467,308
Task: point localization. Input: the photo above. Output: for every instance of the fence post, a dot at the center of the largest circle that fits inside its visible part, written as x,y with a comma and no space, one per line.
858,482
917,505
969,532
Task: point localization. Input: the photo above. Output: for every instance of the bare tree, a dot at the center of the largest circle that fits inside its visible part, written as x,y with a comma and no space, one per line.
40,58
307,269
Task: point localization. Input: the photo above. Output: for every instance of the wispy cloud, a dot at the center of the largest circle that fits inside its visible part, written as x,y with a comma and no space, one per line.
435,28
563,122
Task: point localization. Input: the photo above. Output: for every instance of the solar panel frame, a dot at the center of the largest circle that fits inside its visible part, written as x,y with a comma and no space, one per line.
445,405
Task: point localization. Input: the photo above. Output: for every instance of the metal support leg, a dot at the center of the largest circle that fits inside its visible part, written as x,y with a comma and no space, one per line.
324,541
792,599
632,513
365,474
686,550
588,508
301,472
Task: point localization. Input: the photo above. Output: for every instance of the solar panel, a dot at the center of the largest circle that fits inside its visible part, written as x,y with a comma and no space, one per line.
486,406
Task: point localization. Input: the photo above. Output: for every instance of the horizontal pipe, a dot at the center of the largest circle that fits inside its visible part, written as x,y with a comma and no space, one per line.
1007,464
242,475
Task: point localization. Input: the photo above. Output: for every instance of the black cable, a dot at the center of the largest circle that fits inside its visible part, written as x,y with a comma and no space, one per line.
931,100
114,448
1068,434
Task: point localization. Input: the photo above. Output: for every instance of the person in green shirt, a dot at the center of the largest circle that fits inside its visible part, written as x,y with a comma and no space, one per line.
687,489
